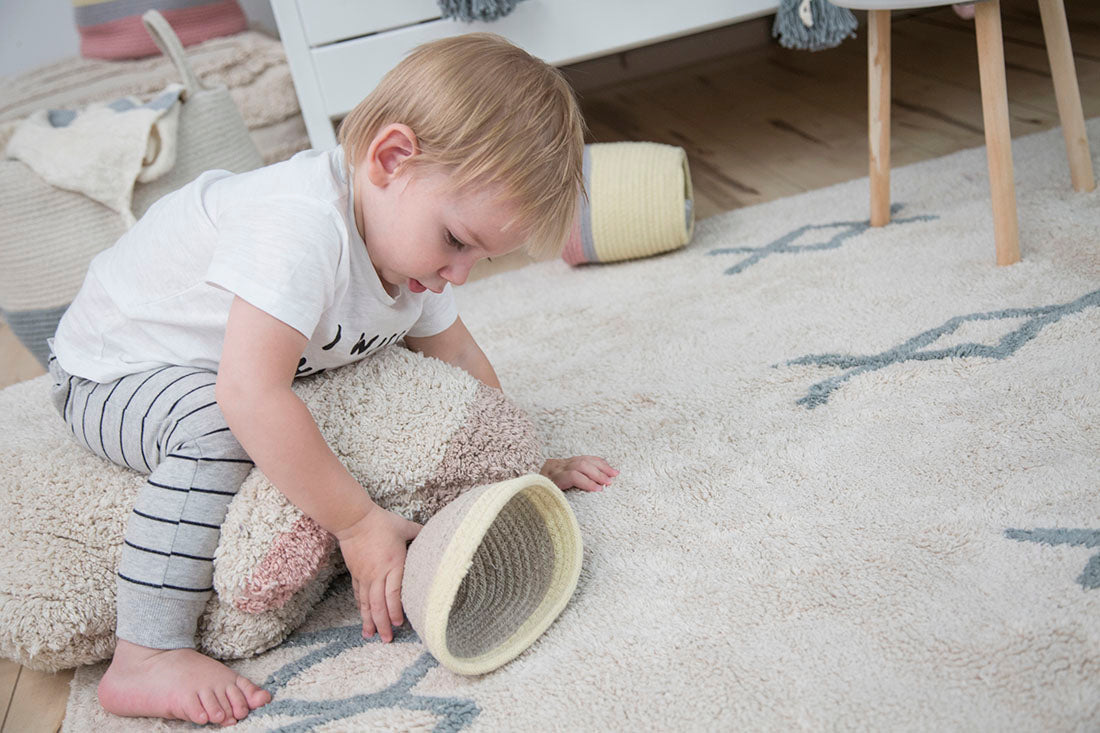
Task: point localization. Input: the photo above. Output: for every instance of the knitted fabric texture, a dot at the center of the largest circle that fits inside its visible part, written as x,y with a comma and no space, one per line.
101,151
812,25
470,10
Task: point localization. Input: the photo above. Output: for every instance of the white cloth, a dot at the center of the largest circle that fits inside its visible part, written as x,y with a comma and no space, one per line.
283,238
102,149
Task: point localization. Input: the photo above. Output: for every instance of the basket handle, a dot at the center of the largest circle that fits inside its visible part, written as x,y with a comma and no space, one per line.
169,44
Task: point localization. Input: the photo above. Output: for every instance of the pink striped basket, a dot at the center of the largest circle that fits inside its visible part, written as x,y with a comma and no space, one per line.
112,29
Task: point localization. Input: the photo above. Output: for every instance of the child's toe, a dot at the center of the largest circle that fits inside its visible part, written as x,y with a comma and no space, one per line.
194,710
253,693
211,705
226,706
237,701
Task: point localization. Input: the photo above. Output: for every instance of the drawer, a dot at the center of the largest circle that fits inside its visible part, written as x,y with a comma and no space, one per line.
557,31
328,21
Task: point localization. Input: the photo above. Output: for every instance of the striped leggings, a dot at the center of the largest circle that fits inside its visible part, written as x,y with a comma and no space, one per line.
164,423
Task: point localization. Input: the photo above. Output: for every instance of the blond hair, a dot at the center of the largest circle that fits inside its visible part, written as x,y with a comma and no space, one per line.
490,114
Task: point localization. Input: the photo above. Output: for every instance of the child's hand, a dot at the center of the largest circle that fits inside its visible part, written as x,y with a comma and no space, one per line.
588,473
374,551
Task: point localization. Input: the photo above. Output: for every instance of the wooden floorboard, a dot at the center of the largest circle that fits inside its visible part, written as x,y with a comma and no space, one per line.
757,125
9,676
772,122
38,703
16,363
915,126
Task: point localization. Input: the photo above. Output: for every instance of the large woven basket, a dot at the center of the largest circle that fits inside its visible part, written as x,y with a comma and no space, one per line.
50,235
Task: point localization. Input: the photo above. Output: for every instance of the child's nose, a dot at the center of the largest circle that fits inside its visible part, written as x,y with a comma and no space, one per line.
456,273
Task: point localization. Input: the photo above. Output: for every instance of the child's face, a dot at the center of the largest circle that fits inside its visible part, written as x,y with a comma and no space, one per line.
421,234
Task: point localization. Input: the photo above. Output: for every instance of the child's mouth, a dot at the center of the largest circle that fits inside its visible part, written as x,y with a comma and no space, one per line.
416,286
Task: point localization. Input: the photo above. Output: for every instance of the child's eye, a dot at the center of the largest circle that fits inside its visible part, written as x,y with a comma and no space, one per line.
453,241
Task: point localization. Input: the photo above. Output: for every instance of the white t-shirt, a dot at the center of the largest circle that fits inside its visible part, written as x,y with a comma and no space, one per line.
282,238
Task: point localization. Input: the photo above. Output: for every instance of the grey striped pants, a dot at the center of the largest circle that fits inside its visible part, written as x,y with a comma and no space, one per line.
167,424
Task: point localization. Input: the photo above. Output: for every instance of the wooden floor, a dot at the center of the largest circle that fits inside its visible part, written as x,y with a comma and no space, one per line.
759,123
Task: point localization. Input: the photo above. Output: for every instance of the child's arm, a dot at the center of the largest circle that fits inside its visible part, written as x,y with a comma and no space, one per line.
273,425
455,345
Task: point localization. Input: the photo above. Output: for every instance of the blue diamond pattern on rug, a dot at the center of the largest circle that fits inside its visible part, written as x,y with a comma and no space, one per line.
455,713
785,244
853,364
1090,577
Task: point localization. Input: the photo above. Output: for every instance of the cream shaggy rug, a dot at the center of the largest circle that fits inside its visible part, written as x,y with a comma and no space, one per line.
860,481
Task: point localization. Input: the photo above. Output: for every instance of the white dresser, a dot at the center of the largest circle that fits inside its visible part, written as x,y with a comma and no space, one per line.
339,49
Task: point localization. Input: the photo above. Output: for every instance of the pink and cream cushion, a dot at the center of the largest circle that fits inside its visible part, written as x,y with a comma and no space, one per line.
112,29
415,432
294,559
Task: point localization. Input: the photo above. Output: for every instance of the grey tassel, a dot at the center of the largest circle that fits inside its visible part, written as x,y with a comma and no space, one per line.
470,10
812,25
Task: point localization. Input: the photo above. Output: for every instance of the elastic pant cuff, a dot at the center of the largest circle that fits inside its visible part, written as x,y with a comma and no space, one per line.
158,621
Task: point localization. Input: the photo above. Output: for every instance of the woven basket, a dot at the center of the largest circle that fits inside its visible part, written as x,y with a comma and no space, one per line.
639,203
491,571
50,235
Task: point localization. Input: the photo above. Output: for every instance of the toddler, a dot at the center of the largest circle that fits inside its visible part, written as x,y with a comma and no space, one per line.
177,356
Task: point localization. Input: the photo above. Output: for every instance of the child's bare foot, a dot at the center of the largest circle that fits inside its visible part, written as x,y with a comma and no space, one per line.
176,683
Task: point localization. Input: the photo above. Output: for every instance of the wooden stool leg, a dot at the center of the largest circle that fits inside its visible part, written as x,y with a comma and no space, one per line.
1062,69
878,113
998,138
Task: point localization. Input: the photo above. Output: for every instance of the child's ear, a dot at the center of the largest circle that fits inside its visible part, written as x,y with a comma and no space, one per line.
390,148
